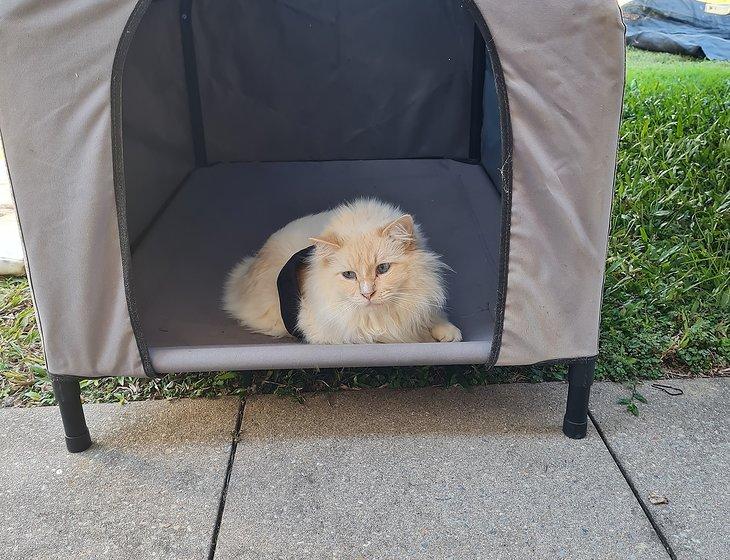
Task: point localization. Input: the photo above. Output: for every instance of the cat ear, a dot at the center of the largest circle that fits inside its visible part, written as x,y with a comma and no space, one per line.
401,230
327,241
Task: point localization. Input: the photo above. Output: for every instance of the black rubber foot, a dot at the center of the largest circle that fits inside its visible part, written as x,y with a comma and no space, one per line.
80,443
573,430
68,397
580,378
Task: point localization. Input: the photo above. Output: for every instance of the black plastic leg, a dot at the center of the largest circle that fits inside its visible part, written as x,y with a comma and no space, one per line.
580,378
68,397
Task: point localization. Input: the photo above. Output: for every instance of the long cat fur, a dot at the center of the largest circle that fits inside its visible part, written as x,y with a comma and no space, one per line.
405,304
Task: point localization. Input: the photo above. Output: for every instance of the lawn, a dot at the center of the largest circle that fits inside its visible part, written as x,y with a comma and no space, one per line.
666,307
667,295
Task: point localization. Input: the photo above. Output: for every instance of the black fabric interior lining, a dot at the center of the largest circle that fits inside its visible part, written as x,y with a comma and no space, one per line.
334,79
157,140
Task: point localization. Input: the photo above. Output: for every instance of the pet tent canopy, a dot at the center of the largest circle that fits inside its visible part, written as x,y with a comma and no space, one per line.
151,144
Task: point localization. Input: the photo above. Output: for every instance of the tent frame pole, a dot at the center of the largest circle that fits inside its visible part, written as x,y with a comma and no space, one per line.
580,379
192,85
68,396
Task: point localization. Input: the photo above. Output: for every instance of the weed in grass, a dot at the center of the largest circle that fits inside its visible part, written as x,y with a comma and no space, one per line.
631,401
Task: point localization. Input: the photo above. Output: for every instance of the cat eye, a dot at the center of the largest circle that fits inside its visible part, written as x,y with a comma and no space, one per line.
349,274
383,268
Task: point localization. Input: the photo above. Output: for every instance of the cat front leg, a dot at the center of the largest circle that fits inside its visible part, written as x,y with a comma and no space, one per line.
442,330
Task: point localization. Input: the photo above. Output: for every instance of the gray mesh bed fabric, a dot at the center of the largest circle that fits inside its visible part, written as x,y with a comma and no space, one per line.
225,212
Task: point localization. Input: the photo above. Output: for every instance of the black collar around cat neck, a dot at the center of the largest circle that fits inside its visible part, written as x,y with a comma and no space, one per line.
290,295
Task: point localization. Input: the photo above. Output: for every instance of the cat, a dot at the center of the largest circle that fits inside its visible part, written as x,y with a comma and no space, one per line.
369,279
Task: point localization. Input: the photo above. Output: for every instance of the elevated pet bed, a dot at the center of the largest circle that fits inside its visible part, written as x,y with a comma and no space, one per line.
222,220
152,144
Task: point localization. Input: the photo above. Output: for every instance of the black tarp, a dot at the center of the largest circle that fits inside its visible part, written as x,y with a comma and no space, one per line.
691,27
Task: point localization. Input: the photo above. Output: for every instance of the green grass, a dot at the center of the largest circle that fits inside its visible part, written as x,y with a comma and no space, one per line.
663,67
667,293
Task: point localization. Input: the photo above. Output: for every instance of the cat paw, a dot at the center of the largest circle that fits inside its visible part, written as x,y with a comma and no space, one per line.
446,332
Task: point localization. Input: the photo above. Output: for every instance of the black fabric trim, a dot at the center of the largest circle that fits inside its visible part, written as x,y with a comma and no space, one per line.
119,182
505,125
287,284
479,57
560,362
191,82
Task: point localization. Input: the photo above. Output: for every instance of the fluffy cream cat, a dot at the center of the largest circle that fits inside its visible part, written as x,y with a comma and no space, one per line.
369,279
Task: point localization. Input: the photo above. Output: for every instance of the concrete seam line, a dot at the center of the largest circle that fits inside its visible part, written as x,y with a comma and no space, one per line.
627,478
227,479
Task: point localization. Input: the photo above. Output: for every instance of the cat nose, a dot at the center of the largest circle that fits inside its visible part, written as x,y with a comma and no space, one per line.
367,291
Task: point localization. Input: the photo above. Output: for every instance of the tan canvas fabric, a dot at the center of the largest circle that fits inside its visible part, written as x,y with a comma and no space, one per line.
564,70
55,69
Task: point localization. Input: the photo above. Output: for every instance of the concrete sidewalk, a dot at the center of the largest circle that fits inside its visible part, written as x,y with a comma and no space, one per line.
382,474
677,456
149,487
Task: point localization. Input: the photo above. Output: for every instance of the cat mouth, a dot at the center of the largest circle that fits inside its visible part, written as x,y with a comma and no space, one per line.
370,303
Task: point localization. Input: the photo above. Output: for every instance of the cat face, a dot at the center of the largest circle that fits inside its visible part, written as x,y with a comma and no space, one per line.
370,268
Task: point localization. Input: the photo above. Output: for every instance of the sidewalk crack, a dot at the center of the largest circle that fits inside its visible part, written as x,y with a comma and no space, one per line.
227,479
627,478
